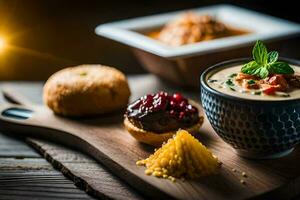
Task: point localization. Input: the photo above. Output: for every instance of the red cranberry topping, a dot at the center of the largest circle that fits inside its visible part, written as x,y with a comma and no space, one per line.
162,112
150,103
178,98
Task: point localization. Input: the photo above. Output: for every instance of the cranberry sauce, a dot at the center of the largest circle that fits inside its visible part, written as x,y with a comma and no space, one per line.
162,112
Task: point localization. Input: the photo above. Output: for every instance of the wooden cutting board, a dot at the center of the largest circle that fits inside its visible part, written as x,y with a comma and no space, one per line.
105,139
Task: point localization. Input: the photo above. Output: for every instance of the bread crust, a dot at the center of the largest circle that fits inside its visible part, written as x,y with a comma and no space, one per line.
156,139
86,90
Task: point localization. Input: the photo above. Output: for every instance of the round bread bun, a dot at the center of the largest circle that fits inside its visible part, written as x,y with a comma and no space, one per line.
86,90
156,139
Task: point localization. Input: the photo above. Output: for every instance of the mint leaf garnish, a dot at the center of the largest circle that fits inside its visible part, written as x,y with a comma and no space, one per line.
260,53
263,72
272,56
250,67
281,68
265,63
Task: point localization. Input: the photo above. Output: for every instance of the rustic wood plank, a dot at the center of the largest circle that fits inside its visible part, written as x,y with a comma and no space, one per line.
84,171
13,147
27,185
25,164
25,175
35,178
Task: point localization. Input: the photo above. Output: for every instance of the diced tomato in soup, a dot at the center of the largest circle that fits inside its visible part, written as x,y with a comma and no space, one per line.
279,81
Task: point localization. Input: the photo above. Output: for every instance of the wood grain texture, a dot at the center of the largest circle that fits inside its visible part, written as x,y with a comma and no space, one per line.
37,184
15,148
24,174
270,178
85,172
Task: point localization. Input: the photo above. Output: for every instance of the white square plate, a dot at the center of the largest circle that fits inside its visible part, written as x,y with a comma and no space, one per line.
262,27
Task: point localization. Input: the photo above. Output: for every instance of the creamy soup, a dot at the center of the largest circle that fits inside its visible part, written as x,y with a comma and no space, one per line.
226,82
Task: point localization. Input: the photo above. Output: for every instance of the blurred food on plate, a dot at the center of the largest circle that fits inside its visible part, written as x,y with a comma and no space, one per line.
190,28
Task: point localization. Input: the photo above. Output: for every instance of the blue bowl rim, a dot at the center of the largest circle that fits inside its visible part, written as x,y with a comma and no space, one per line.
231,62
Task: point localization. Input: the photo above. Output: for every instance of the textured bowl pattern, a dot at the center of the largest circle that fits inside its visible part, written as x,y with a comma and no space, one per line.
255,129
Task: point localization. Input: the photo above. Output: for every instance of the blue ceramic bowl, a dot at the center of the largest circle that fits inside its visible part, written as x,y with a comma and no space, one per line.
254,128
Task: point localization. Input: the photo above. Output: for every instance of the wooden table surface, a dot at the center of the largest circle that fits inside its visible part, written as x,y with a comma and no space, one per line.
25,174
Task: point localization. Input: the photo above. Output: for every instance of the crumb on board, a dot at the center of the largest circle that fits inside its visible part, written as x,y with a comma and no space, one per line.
242,181
244,174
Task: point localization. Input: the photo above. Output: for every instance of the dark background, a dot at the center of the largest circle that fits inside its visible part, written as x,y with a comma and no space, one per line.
46,35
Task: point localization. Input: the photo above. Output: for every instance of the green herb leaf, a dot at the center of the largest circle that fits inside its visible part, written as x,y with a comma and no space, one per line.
260,53
250,68
254,69
272,57
256,93
262,72
281,68
251,82
232,75
232,89
229,82
265,63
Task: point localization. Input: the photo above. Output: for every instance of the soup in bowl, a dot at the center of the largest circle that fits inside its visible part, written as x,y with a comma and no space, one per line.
273,88
257,114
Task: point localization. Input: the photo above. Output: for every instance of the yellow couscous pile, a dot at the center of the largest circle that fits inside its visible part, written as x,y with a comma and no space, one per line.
183,156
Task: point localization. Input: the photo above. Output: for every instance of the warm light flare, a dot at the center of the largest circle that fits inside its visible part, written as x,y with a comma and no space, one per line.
2,44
